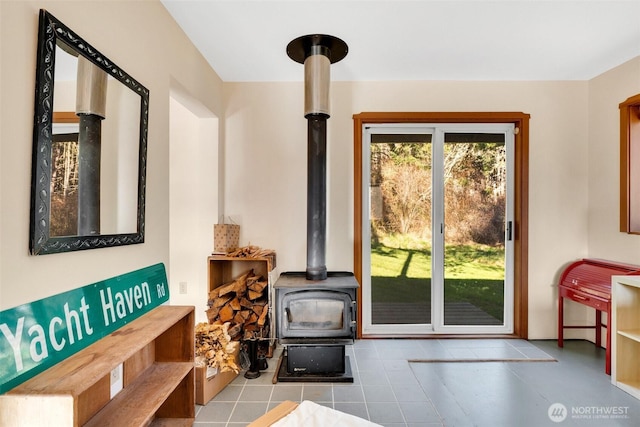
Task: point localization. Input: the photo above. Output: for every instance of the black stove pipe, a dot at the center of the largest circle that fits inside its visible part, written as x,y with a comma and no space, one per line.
91,104
316,52
316,196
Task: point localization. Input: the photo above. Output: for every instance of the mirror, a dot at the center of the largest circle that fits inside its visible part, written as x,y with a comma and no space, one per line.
90,147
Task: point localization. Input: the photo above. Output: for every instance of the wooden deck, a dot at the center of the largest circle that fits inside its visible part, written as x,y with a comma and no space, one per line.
458,314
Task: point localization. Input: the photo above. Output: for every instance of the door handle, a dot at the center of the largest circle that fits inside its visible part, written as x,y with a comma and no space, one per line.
509,230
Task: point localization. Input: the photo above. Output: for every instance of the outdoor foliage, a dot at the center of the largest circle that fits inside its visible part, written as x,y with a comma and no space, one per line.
474,176
64,187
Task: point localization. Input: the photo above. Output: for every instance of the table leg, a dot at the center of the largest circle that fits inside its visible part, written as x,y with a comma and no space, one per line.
607,366
560,322
598,328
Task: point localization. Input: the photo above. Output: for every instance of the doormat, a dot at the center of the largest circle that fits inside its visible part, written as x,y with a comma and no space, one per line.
480,350
471,360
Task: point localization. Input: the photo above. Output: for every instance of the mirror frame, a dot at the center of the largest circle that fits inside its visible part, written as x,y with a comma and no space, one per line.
50,30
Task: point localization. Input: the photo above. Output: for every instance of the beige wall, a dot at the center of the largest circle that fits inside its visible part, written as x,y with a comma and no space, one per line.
142,38
606,92
193,204
570,162
266,133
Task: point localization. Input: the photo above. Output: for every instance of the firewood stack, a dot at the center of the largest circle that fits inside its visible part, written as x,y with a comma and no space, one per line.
244,304
253,251
214,347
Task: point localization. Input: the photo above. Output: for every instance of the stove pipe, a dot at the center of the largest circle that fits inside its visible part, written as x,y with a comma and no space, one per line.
316,52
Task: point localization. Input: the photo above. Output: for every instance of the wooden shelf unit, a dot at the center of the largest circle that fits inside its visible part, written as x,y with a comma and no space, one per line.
625,372
157,354
223,269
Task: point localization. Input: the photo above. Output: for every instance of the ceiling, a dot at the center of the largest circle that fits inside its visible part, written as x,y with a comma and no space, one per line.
416,40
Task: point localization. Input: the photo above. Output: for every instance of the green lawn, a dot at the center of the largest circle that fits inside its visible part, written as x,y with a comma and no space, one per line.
474,274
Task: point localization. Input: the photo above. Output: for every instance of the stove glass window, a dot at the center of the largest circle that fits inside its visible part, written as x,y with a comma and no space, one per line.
315,314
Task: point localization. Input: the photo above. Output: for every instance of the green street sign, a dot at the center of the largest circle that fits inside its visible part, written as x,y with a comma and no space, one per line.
37,335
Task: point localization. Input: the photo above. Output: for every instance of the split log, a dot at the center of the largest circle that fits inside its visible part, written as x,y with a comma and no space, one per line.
214,293
253,295
226,313
220,301
235,304
253,278
238,319
263,316
238,286
212,313
258,286
253,318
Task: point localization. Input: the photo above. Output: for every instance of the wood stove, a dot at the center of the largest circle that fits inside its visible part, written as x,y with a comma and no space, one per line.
315,310
315,319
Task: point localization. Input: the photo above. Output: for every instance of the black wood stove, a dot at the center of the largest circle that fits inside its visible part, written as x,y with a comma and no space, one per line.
315,319
316,309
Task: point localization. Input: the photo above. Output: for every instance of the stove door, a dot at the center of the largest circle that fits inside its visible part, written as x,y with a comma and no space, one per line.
316,314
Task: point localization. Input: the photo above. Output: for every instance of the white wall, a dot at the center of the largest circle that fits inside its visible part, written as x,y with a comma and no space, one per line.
143,39
606,92
266,167
193,205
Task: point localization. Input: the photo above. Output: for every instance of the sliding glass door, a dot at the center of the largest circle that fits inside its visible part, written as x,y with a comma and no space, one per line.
438,227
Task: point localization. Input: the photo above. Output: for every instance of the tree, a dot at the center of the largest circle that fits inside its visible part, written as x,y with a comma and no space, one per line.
474,177
406,192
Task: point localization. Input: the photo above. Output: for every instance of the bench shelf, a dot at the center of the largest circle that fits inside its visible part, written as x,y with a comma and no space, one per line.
157,354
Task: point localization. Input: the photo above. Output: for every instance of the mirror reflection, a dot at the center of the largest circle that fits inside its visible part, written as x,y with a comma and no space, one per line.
116,205
89,147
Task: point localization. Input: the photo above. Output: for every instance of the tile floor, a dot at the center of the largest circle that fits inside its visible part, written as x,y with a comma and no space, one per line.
390,391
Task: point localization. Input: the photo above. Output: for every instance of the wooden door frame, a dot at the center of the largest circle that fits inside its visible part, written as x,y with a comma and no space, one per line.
521,201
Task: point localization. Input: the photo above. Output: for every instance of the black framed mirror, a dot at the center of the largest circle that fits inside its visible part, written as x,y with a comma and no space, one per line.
89,147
